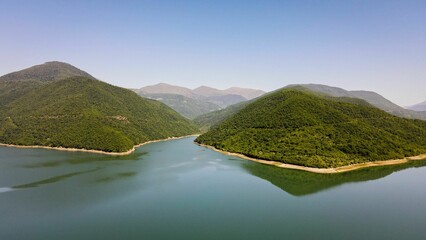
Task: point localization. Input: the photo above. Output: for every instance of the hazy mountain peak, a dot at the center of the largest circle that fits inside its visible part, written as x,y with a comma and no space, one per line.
46,72
248,93
166,88
373,98
418,107
207,91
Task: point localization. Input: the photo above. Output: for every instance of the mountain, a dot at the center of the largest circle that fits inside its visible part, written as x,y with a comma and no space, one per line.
187,107
213,118
226,100
208,91
245,92
418,107
82,112
16,84
308,129
205,99
371,97
47,72
208,120
167,89
201,92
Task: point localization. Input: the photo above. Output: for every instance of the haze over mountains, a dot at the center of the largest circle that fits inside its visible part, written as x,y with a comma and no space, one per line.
373,98
418,107
194,102
213,118
58,105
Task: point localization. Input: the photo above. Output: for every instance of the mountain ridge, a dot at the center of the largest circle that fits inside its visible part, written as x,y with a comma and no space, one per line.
418,107
196,98
204,91
86,113
312,130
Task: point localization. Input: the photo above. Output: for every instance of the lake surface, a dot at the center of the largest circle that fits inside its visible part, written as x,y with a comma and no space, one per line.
178,190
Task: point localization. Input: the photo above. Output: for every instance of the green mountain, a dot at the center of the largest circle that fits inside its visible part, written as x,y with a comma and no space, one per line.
213,118
208,120
307,129
47,72
373,98
16,84
82,112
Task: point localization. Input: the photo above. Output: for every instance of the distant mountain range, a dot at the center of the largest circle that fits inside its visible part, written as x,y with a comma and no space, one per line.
194,102
418,107
58,105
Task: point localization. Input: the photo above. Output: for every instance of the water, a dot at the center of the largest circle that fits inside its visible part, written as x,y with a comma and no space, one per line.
178,190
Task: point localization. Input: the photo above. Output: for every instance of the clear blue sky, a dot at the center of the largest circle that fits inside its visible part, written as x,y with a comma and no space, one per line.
371,45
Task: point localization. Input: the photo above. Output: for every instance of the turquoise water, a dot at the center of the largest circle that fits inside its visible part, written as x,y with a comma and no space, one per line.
178,190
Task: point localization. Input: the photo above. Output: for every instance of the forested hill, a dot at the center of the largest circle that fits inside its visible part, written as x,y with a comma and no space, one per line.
16,84
46,72
81,112
303,128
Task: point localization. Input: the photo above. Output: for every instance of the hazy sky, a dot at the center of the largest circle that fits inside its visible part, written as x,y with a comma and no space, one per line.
370,45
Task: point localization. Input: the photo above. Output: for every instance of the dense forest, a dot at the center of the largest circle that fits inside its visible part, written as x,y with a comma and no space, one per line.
82,112
303,128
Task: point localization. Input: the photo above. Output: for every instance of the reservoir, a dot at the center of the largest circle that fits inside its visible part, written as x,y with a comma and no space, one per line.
179,190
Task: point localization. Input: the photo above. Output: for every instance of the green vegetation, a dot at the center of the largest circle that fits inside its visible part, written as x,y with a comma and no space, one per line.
17,84
303,128
373,98
47,72
206,121
81,112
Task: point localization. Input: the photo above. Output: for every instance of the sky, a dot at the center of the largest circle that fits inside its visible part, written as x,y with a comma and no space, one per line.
353,44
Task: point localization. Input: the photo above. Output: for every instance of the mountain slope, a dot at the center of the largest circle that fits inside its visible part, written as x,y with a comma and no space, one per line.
49,71
418,107
226,100
16,84
187,107
373,98
81,112
208,120
302,128
163,88
204,99
245,92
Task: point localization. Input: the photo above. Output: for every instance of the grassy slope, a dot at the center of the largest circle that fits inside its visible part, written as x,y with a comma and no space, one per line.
306,129
81,112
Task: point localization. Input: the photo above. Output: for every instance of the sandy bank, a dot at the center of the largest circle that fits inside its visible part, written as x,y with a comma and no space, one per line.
323,170
96,151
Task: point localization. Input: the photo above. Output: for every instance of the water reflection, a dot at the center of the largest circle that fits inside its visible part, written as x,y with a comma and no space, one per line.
117,176
52,179
301,183
83,158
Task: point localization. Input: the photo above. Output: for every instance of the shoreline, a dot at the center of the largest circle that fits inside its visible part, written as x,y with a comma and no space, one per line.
342,169
93,150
